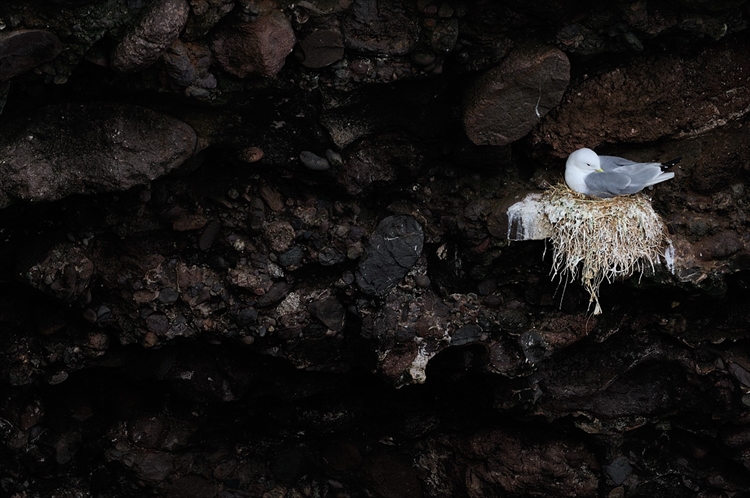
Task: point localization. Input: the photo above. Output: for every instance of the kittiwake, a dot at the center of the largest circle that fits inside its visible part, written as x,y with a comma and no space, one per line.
610,176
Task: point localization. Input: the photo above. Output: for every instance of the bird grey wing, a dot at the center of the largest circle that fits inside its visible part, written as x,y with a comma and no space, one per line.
641,175
607,184
609,163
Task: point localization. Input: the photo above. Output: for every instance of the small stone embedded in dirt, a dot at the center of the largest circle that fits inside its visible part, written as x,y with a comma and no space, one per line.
392,250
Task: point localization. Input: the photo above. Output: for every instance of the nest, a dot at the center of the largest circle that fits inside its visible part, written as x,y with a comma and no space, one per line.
601,239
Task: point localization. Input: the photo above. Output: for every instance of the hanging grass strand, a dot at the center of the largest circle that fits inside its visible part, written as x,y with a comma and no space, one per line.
595,240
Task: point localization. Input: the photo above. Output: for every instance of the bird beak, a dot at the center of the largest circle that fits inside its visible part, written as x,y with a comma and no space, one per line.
599,170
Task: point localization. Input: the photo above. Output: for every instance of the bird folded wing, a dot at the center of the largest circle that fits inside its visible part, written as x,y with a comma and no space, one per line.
607,184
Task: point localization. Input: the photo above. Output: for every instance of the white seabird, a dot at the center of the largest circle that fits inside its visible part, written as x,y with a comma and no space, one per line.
609,176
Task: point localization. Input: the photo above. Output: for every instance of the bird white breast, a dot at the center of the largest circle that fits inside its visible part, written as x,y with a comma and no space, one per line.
576,179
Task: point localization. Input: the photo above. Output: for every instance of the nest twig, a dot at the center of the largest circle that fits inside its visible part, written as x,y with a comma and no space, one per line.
602,239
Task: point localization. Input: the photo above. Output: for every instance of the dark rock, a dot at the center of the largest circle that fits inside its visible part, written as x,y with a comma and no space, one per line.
618,470
160,25
505,356
85,148
209,235
379,27
188,64
275,294
506,102
378,160
168,295
534,346
206,15
25,49
719,246
329,311
314,162
391,476
466,335
289,466
530,466
258,47
322,48
292,257
330,256
393,249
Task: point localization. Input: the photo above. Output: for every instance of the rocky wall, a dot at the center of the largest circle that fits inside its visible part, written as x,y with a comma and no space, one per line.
255,248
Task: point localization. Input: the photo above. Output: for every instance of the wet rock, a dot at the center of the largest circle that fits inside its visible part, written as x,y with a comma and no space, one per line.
393,249
85,148
160,25
258,47
506,102
321,48
379,27
24,49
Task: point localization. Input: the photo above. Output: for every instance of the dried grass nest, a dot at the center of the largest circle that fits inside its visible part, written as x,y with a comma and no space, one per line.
601,239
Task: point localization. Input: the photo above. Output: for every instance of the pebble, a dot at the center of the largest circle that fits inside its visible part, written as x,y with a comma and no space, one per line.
422,281
313,161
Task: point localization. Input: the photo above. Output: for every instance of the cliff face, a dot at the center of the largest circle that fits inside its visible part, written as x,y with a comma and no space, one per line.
256,248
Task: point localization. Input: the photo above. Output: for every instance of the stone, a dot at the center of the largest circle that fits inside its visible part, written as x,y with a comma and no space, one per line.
675,99
257,47
88,148
329,311
142,45
393,249
380,28
506,102
378,159
321,48
24,49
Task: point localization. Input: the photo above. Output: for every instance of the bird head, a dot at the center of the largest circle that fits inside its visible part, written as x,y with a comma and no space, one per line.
585,160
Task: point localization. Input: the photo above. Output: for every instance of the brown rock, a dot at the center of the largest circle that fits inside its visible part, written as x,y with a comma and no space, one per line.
25,49
258,47
69,149
322,48
529,467
719,246
652,98
378,27
506,102
378,159
160,25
